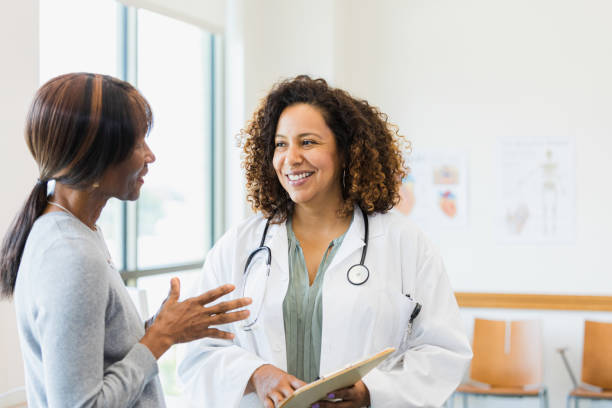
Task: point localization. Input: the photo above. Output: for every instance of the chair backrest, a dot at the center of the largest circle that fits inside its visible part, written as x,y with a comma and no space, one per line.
507,353
597,354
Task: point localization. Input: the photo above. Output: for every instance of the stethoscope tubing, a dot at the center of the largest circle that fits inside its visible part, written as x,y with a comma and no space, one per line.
361,263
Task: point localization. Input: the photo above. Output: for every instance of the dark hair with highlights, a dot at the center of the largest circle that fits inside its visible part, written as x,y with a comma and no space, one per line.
77,127
370,146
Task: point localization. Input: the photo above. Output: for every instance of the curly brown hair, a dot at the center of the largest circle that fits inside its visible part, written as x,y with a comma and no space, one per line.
370,145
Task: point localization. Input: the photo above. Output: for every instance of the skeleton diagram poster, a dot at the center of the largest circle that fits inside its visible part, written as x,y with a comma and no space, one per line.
536,190
434,193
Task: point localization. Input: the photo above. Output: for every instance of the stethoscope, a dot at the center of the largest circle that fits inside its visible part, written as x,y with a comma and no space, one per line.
357,274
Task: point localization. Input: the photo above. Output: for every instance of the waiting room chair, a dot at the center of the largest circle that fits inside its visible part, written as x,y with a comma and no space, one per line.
507,361
596,365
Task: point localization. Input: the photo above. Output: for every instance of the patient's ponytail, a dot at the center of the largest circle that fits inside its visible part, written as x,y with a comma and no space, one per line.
16,236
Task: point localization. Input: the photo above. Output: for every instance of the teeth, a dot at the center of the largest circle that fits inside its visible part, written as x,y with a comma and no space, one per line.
295,177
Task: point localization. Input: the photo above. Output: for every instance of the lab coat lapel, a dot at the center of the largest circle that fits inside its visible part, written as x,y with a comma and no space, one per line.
353,240
279,247
278,283
337,294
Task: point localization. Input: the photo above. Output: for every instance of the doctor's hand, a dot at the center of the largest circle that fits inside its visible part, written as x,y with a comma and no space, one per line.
272,385
355,396
181,322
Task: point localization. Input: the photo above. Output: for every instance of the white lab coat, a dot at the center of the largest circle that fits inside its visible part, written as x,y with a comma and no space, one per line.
358,321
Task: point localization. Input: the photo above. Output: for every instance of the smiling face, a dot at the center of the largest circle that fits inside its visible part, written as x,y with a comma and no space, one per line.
306,158
124,180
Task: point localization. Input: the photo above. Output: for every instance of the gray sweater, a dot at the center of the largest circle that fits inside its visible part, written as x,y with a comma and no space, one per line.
78,327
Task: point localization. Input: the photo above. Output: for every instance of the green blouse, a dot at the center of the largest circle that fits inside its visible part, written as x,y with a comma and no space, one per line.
303,310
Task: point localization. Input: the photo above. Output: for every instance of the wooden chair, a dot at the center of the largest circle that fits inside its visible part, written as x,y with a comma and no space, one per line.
596,364
507,361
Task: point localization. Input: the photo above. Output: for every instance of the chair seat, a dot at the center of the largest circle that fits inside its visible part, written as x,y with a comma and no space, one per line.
584,393
513,391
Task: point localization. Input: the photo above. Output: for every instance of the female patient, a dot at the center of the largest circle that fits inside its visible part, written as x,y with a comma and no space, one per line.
82,340
336,277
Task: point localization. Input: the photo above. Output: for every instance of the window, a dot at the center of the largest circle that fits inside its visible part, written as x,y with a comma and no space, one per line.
169,230
174,79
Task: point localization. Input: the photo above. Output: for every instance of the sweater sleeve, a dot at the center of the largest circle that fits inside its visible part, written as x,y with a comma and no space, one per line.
71,295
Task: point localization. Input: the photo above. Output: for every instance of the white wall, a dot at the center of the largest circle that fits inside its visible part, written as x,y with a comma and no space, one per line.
459,75
18,82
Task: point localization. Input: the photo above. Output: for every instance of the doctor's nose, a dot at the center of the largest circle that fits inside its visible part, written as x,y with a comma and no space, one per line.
294,154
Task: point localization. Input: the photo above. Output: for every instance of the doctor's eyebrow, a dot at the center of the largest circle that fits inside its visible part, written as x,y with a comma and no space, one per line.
301,135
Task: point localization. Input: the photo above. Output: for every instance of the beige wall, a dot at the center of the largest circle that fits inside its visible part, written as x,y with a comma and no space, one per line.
462,75
18,81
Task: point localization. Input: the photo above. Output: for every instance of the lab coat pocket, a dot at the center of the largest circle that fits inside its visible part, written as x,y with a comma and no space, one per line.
393,324
400,330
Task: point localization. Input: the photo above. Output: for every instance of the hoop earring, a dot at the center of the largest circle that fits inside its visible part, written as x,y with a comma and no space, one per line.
343,179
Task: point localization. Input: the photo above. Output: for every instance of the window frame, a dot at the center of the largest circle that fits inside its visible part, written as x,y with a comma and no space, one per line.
214,153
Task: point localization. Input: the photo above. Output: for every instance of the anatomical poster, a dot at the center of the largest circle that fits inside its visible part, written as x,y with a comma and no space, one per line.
536,194
434,193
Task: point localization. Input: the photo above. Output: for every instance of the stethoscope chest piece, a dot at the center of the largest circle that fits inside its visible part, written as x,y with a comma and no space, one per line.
358,274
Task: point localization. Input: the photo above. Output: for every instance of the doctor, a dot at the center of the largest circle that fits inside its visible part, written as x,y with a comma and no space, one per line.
334,276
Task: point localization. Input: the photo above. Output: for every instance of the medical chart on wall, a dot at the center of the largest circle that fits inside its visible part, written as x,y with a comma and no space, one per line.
536,190
434,193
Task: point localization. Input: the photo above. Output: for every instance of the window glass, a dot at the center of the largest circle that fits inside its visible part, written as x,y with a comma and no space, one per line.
174,60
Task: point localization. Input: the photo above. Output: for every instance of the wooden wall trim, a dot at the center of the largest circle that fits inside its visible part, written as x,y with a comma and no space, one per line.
533,301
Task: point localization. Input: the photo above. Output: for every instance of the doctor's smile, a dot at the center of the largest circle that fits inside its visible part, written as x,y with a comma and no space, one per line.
294,178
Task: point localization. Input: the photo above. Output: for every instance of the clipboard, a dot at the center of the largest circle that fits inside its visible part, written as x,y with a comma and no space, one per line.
318,390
